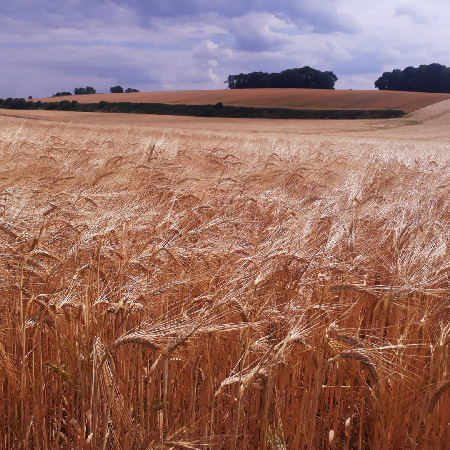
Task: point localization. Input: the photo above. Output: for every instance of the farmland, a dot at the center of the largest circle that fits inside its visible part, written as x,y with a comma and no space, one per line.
276,98
177,282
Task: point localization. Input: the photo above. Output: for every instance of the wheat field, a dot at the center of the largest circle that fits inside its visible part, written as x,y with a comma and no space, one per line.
189,283
275,98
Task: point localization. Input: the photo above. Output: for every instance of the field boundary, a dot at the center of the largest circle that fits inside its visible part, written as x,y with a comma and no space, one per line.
217,110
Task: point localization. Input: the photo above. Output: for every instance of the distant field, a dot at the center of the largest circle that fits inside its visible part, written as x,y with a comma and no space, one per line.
277,98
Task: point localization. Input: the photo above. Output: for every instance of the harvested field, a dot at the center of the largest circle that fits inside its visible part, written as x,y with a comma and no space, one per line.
194,283
277,98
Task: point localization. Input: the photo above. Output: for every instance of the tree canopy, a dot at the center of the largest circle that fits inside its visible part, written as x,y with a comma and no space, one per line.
425,78
305,77
116,90
84,91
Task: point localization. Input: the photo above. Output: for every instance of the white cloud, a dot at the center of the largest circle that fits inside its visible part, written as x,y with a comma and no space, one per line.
52,45
212,76
418,15
255,32
208,50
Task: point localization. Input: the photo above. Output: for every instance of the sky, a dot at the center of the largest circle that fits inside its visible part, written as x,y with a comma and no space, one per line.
48,46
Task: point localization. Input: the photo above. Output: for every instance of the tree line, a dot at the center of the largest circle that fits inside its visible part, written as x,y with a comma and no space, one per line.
90,90
425,78
217,110
305,77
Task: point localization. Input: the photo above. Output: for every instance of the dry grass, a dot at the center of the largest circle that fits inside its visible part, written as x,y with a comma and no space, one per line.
191,289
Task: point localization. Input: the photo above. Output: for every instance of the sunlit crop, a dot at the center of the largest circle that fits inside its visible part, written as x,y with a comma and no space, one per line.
188,289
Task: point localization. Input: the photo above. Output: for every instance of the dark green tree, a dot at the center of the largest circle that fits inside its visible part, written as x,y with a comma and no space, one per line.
116,90
425,78
84,91
16,103
128,90
305,77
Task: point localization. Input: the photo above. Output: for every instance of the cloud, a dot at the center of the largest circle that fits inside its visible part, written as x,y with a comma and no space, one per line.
320,17
416,15
208,50
66,67
193,44
212,76
358,81
254,32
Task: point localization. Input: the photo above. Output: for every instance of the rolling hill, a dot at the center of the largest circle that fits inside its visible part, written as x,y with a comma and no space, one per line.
277,98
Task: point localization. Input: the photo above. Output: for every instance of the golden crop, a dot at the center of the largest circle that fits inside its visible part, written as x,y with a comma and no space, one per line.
173,287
